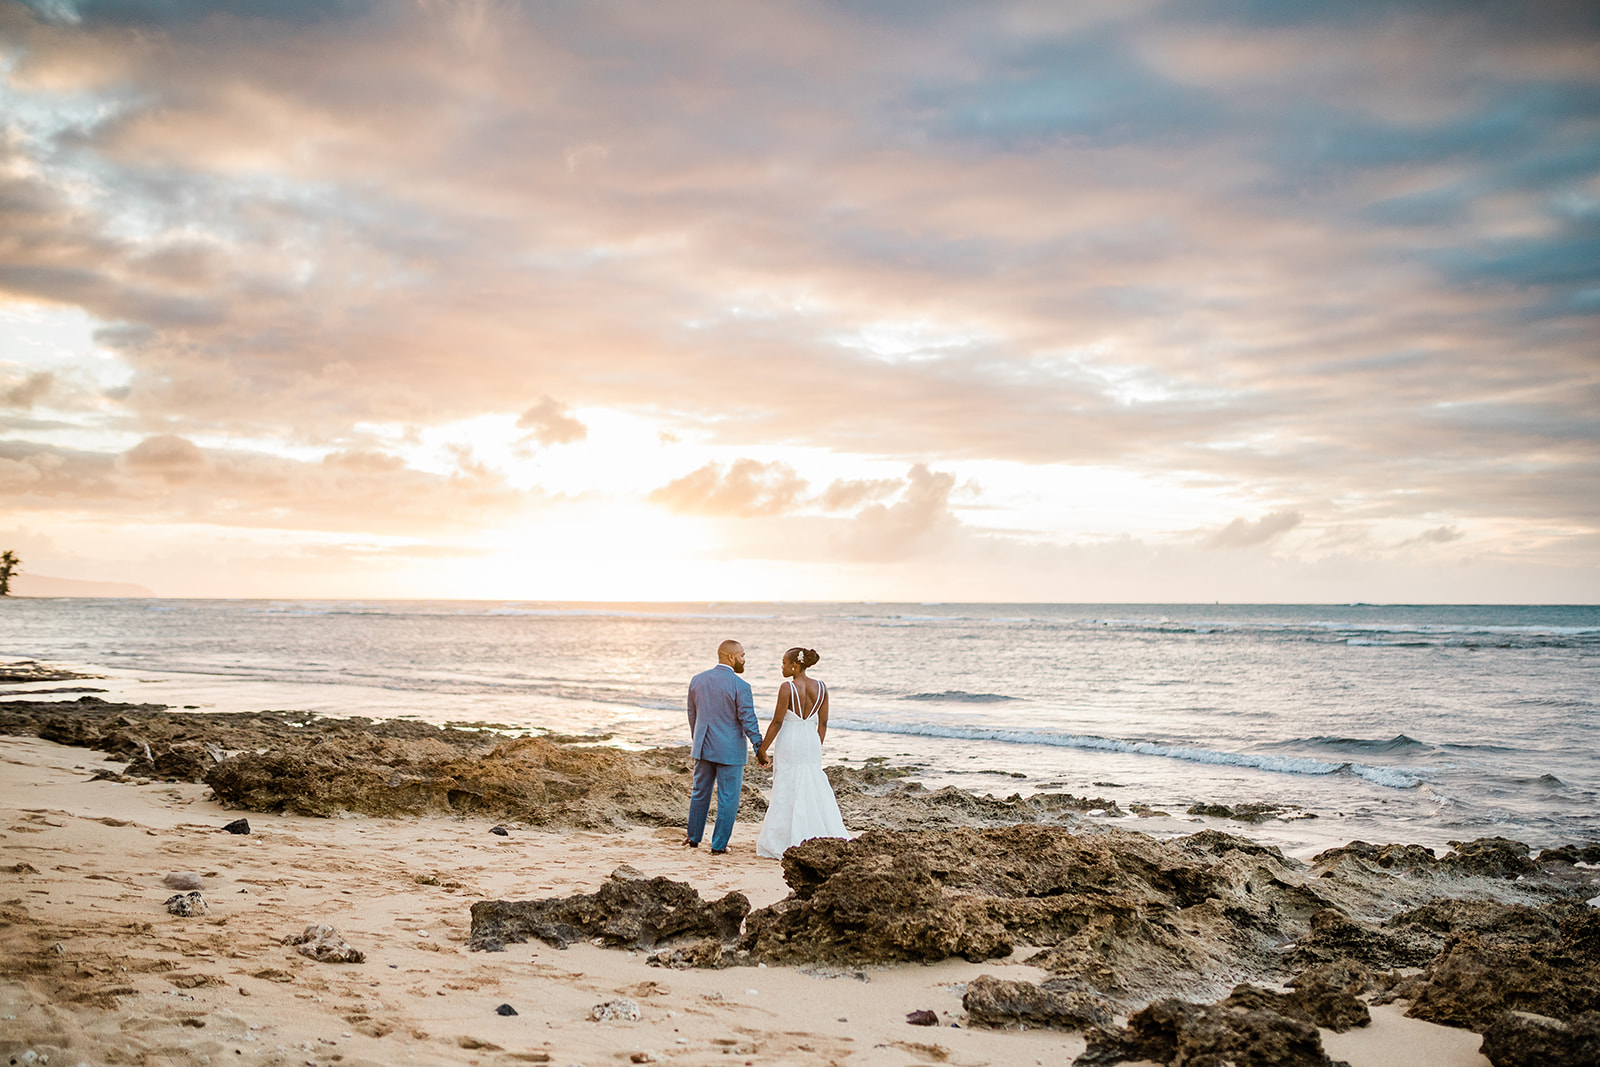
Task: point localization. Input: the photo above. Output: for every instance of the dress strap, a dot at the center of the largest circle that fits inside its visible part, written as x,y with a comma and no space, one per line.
822,691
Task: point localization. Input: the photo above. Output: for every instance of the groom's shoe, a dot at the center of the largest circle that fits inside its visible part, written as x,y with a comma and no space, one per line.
691,844
719,852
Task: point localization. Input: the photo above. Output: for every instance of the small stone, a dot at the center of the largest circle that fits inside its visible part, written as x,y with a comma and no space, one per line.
183,880
642,1057
500,831
505,1009
923,1017
238,826
187,905
323,944
619,1010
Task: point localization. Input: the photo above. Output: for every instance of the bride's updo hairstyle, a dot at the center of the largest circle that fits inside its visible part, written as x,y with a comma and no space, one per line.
803,657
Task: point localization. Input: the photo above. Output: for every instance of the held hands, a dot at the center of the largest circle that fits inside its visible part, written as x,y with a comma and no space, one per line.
762,759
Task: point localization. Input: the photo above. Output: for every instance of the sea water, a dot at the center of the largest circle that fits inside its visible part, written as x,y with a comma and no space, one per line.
1389,723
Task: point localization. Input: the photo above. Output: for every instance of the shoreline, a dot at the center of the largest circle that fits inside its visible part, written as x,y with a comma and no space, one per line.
399,879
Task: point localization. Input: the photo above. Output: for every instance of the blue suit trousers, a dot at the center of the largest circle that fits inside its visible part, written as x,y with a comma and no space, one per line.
727,779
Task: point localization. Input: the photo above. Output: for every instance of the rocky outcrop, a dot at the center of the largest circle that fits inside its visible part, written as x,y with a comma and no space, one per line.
1114,912
997,1002
1484,972
1207,1035
629,911
531,779
1522,1039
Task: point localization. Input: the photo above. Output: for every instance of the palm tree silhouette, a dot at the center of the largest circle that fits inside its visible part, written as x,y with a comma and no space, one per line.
8,563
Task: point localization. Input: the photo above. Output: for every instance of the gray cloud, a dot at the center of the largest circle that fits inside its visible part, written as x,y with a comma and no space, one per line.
1243,533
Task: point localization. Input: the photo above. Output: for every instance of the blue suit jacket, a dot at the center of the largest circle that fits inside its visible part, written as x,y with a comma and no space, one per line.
722,713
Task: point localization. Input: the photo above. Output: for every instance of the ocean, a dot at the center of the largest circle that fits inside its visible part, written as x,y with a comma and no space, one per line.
1410,723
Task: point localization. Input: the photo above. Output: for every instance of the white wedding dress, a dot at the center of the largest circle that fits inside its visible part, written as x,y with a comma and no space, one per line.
802,804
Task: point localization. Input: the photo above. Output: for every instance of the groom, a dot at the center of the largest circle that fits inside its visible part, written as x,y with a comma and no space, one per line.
722,713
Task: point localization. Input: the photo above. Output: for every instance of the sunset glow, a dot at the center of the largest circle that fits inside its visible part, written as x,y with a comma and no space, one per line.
1091,302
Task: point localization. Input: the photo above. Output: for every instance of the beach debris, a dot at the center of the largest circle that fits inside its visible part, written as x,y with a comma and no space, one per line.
238,826
1524,1039
20,868
620,1010
322,943
426,879
922,1017
998,1002
500,831
1172,1031
182,880
641,1057
187,905
625,912
505,1009
477,1043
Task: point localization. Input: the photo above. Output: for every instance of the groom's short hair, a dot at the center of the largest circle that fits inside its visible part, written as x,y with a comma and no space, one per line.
728,648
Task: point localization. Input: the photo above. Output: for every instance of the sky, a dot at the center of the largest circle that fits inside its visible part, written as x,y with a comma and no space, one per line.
1127,301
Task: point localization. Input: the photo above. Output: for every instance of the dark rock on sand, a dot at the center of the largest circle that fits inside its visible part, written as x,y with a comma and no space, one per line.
505,1009
1247,812
499,831
187,905
626,912
532,779
238,826
1207,1035
1331,1009
922,1017
1484,973
1116,912
997,1002
33,671
1522,1039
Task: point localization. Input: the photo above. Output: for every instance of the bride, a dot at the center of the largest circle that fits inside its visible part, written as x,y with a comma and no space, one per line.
802,805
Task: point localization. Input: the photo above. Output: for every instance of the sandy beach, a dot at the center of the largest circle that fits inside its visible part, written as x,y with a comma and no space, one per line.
96,971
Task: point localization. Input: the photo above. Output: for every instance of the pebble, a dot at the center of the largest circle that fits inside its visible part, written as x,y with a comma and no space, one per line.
505,1009
923,1017
500,830
238,826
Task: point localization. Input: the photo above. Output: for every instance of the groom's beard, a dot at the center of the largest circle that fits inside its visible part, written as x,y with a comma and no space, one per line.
738,668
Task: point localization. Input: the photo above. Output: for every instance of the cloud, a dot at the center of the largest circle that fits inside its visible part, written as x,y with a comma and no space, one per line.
1341,260
1242,533
1437,535
744,488
167,478
27,392
915,524
550,423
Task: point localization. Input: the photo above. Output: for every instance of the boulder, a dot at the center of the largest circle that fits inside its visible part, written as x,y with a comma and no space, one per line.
1207,1035
626,912
997,1002
1523,1039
